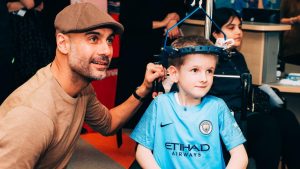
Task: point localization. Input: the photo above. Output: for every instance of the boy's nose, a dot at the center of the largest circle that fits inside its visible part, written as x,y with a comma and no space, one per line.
203,77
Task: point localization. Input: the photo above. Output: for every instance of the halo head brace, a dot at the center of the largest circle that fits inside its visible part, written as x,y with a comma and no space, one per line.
170,52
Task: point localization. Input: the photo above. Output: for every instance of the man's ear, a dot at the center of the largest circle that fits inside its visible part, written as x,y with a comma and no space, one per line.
173,73
63,43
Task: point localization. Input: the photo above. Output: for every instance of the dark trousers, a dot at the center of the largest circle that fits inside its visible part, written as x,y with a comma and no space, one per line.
290,137
263,140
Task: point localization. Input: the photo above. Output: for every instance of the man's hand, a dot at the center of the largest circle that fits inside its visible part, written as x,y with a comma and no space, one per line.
153,72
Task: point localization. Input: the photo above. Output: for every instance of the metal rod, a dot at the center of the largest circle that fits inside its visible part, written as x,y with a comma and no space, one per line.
228,76
209,11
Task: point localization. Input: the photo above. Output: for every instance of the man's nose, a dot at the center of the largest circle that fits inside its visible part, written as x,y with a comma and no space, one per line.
105,49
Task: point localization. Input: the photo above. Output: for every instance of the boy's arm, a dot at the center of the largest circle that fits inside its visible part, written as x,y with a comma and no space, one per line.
238,158
145,158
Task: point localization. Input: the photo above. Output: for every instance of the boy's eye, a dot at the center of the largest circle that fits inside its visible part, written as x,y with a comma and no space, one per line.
210,71
194,70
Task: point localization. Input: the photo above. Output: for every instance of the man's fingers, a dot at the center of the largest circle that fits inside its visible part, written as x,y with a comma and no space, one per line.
155,71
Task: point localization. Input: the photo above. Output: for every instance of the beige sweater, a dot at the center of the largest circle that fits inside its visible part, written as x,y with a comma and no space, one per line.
40,123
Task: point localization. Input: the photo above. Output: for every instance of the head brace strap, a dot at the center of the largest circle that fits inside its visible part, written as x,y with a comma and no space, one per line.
170,52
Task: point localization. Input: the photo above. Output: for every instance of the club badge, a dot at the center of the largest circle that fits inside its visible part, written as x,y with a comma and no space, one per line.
205,127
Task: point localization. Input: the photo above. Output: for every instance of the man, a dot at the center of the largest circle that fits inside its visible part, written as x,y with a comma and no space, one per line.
40,122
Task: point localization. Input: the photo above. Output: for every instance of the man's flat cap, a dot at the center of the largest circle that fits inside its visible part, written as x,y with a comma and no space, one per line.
83,17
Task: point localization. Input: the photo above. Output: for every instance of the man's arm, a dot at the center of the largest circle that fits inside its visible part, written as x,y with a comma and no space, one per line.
24,136
121,113
238,158
145,158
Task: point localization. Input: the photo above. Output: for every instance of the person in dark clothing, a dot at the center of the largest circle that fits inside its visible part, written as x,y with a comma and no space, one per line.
290,14
5,52
9,44
27,40
143,38
269,135
30,46
51,8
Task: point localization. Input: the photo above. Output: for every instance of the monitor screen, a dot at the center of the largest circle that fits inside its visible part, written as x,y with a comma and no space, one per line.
261,15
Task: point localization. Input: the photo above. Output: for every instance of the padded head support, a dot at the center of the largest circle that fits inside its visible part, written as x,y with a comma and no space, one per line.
170,52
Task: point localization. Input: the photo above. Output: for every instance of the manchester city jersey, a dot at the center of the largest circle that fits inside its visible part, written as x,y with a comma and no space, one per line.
188,137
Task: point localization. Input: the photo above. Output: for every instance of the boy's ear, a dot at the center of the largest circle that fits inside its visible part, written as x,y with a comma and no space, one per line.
173,73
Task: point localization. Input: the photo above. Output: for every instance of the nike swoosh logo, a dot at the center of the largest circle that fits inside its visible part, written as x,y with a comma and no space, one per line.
163,125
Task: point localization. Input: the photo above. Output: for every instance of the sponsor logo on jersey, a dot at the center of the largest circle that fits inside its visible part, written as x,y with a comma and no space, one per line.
165,124
186,150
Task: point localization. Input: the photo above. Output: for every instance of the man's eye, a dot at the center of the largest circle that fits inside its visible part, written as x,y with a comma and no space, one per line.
93,39
110,40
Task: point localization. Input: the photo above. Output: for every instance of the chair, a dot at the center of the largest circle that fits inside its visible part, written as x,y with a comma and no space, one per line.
246,81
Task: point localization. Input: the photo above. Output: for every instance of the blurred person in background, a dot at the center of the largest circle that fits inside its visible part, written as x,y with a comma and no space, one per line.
290,14
270,135
145,27
31,49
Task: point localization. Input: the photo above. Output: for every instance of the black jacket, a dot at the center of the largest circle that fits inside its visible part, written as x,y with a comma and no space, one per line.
230,89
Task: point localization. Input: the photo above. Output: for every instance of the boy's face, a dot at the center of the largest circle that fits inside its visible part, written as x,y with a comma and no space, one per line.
195,75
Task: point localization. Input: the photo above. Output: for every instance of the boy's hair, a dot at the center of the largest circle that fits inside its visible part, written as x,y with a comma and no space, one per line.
221,16
188,41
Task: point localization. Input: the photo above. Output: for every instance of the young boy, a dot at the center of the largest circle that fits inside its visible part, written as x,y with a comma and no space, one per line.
183,129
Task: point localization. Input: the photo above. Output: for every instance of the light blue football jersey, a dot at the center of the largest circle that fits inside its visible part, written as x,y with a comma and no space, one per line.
188,137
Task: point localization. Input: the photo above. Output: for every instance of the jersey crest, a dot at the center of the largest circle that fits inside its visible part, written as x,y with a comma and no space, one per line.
205,127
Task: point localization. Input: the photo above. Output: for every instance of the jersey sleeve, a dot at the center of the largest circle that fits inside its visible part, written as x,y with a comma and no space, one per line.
230,132
144,132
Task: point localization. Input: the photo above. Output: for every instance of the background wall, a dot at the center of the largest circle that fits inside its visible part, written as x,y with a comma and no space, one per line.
239,4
